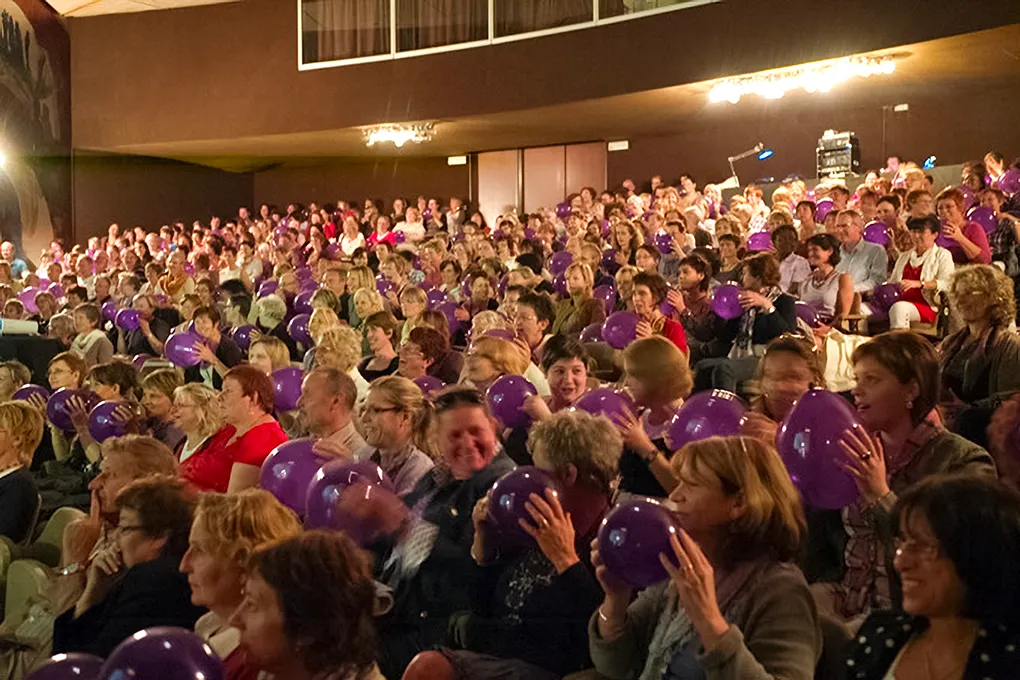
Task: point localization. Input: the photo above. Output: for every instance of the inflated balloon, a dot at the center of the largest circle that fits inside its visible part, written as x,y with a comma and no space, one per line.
56,290
297,328
808,442
303,273
303,302
876,232
942,240
604,402
26,391
163,652
968,195
268,287
189,268
328,484
823,208
128,319
726,301
399,236
507,498
609,262
560,285
308,286
807,313
607,294
57,410
181,349
620,329
383,285
717,413
759,241
1009,183
102,422
563,210
242,336
664,242
436,297
983,216
591,333
632,537
506,397
73,666
286,388
559,262
288,470
429,385
886,295
27,298
449,310
426,286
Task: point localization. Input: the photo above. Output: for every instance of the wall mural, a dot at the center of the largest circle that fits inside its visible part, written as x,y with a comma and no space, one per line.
35,126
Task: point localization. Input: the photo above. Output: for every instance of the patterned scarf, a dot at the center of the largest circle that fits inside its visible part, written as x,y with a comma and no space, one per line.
742,347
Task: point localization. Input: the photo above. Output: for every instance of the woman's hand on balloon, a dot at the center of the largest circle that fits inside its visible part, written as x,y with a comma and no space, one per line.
750,298
865,460
952,231
461,314
910,284
643,330
79,413
125,416
676,298
694,580
615,589
633,434
536,407
479,515
205,352
552,529
38,401
375,506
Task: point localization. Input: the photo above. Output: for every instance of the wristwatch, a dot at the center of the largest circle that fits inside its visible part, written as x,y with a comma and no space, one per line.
72,568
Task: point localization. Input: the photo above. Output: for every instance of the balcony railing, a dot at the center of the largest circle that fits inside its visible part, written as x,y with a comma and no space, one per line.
341,32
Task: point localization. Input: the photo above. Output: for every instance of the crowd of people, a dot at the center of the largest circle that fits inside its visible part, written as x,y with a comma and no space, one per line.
401,322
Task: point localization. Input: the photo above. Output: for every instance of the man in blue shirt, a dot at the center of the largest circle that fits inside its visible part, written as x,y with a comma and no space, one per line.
9,255
865,262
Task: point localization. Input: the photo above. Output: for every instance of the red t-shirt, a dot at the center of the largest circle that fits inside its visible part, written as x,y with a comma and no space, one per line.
674,332
209,468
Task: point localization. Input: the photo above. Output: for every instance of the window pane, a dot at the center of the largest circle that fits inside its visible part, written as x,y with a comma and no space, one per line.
344,29
619,8
523,16
432,23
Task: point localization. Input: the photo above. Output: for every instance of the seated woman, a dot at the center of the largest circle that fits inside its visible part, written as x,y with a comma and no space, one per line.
565,364
198,414
397,423
91,342
113,381
693,305
380,330
219,352
413,301
490,358
922,273
649,293
969,243
980,362
158,390
658,379
268,354
647,259
319,321
450,364
339,348
736,607
423,348
21,430
271,320
227,531
729,260
957,544
897,387
624,280
828,291
579,309
790,367
136,584
308,610
233,457
541,632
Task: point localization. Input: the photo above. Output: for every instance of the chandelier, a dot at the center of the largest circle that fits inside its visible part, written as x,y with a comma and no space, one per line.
399,134
813,78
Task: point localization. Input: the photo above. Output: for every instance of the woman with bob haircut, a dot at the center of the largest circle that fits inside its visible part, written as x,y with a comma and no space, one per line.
579,309
957,545
381,331
308,610
489,358
650,291
897,388
227,531
735,605
922,272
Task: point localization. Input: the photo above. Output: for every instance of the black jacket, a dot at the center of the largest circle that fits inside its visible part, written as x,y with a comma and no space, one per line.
149,594
228,352
18,504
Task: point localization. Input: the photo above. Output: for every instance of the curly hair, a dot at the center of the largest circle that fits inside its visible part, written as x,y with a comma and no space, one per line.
324,588
165,507
339,346
590,443
238,524
988,283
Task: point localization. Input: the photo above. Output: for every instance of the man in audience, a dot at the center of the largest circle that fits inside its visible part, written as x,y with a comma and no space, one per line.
864,262
794,270
327,404
9,255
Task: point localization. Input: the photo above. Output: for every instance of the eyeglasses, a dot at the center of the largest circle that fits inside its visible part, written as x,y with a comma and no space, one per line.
123,529
919,549
376,410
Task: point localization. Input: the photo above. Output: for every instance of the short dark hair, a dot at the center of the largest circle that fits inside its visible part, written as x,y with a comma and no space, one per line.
433,344
91,312
254,383
911,358
384,321
210,313
929,222
808,204
166,508
123,374
542,305
563,347
699,265
826,242
652,251
653,282
764,267
976,521
730,238
783,228
79,291
893,200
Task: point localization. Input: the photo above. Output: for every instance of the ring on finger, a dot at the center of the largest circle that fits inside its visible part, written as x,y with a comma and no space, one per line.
865,456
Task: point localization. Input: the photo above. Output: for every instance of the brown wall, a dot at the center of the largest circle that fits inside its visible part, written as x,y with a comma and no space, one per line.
150,192
228,70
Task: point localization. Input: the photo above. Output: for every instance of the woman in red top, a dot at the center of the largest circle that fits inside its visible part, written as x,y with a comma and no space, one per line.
649,291
382,233
232,458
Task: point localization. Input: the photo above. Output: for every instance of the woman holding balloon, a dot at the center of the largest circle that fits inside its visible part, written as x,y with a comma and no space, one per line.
789,368
218,352
116,381
922,273
579,308
734,605
968,242
649,293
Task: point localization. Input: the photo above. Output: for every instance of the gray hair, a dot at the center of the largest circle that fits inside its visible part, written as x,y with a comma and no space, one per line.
272,308
590,443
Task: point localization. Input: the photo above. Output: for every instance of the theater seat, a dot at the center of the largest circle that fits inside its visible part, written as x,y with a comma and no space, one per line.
47,547
6,557
26,581
429,666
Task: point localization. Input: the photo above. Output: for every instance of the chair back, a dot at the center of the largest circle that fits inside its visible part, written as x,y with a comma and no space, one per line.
30,534
48,546
27,580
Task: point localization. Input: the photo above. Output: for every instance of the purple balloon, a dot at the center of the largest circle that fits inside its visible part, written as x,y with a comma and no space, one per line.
607,294
501,286
886,295
297,329
822,208
631,539
560,285
242,336
726,301
286,388
529,233
876,232
559,262
968,195
268,287
664,242
429,385
303,273
102,423
308,286
181,349
399,236
139,360
383,285
328,484
1009,183
128,319
163,652
449,310
27,298
426,286
73,666
808,442
563,210
507,498
288,470
620,329
807,313
436,297
57,411
506,397
303,302
706,414
56,290
983,216
760,241
592,333
604,402
609,261
26,391
109,310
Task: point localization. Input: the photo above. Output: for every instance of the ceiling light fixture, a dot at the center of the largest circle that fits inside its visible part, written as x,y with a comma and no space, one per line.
820,77
399,135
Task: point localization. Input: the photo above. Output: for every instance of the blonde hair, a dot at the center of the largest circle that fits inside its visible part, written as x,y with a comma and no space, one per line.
147,456
586,272
505,356
627,269
590,443
992,285
207,404
25,423
238,524
359,278
487,321
660,366
340,342
324,298
414,294
163,380
272,308
322,318
407,396
371,299
275,348
772,523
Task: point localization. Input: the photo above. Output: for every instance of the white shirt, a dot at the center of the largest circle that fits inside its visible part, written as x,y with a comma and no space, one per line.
794,269
349,245
228,274
413,231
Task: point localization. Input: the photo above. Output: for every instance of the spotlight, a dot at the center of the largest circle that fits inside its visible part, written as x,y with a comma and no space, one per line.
767,153
929,163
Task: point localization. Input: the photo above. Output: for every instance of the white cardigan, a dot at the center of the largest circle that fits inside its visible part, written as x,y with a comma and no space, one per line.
936,264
